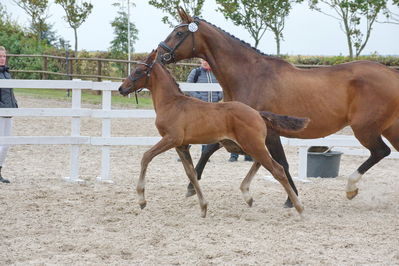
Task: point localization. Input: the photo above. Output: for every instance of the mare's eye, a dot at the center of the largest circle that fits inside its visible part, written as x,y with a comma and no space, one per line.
179,34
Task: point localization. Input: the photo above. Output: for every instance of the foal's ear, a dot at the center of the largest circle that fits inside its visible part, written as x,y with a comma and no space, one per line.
186,18
153,55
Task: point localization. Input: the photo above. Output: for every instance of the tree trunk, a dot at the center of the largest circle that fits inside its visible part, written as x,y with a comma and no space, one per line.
277,38
348,39
76,41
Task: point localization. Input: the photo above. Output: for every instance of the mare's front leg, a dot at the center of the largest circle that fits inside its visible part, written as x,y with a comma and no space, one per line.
273,144
199,168
163,145
184,154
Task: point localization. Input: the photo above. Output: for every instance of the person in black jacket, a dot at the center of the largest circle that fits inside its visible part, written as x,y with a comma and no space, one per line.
7,100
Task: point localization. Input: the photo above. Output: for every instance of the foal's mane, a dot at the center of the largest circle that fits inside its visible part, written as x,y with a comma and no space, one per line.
170,76
241,41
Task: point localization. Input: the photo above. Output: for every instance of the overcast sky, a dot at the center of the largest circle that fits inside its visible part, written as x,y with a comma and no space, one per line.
306,33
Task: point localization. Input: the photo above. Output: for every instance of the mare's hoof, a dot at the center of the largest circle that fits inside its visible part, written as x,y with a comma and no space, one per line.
351,194
250,202
142,204
288,204
190,192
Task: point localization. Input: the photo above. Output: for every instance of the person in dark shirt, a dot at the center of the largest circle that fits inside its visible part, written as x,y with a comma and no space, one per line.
7,100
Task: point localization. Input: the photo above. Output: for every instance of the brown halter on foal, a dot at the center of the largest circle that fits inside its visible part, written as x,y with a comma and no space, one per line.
182,120
361,94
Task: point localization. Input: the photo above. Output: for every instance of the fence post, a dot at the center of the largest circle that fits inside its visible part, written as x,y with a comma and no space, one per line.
75,131
106,132
45,68
99,68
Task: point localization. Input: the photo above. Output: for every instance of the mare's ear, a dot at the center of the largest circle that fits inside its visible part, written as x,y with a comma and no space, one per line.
185,18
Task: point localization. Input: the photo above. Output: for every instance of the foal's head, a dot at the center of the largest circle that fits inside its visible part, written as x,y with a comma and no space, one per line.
182,42
140,76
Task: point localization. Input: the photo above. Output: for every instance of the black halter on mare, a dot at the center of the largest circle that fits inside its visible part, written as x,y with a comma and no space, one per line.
170,55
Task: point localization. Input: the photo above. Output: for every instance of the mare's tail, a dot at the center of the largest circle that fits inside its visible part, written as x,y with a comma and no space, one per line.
284,123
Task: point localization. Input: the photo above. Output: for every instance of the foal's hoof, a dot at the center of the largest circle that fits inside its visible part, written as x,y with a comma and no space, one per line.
190,192
204,209
142,204
250,202
288,204
351,194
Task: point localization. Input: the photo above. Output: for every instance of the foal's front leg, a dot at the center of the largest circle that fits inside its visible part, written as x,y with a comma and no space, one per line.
184,154
199,168
163,145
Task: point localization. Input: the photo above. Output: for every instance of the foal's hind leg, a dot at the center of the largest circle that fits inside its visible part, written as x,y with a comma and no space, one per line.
199,168
258,151
378,150
163,145
247,182
184,154
278,173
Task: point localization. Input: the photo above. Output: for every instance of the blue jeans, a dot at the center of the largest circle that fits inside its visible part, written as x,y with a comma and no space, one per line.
246,157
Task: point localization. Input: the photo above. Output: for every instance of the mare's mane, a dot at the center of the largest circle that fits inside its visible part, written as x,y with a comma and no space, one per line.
241,41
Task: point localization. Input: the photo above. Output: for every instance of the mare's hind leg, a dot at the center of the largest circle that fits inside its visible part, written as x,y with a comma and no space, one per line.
199,168
273,143
163,145
392,134
247,182
184,154
378,150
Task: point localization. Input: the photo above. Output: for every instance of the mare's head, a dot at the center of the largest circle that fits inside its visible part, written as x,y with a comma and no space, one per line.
140,76
183,42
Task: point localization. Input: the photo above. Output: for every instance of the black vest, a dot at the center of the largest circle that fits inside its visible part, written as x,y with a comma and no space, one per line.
7,98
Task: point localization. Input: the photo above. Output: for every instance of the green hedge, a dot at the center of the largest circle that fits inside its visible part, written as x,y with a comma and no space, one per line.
333,60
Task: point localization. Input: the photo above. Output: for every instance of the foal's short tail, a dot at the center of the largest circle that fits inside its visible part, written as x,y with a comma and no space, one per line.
284,123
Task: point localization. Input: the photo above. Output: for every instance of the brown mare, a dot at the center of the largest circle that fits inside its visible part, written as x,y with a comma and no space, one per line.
182,120
362,94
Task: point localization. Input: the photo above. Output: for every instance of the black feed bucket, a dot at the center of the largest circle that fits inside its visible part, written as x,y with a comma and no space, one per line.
322,162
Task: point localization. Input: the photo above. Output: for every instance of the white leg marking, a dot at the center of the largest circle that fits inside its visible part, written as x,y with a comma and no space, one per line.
352,180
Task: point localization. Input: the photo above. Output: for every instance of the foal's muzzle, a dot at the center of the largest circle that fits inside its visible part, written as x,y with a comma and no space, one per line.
123,91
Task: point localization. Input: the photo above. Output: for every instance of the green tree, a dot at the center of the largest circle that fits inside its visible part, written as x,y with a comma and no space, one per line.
119,45
76,14
193,7
251,14
37,10
256,16
393,17
277,12
352,15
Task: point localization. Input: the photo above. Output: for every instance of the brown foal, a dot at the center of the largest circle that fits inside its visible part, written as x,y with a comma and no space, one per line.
182,120
361,94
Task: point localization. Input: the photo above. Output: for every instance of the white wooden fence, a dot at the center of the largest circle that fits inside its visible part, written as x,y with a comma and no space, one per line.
106,114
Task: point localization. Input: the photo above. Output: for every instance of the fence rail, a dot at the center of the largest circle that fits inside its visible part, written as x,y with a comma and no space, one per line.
69,69
340,142
70,61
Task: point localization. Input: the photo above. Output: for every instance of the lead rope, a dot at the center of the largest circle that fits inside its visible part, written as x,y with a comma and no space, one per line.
137,99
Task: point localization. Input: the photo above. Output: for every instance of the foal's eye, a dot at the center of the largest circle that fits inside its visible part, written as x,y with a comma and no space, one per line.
138,71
